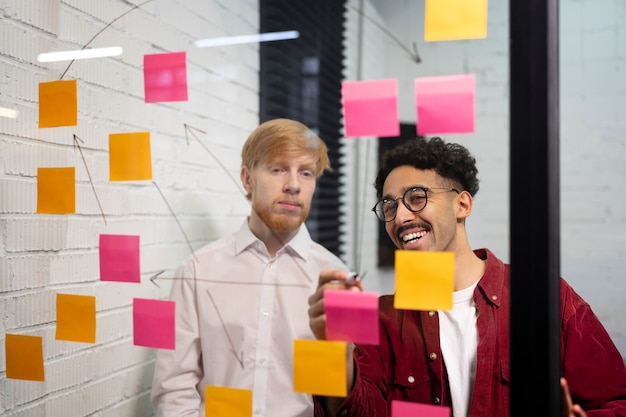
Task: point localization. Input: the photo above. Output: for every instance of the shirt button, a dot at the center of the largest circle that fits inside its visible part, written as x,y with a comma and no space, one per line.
343,412
431,313
437,400
411,379
432,356
494,297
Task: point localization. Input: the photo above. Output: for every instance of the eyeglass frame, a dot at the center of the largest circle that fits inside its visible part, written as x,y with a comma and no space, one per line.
426,190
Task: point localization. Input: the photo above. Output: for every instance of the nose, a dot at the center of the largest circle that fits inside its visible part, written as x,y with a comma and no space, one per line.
292,183
403,214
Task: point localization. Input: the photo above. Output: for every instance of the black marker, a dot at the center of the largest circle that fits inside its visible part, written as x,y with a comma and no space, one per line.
353,279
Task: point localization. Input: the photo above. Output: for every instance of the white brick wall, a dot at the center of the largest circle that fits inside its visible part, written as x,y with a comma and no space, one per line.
593,122
42,255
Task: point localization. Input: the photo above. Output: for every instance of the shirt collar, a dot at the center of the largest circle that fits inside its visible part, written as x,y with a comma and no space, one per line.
300,244
491,284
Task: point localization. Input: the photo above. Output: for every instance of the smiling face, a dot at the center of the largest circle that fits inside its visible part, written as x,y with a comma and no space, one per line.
435,227
281,192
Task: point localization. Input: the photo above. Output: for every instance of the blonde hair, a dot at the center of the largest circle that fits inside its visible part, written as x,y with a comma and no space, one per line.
284,138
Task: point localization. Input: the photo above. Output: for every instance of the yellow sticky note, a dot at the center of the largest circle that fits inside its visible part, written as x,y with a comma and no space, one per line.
320,367
129,156
58,105
56,190
447,20
76,318
24,357
424,280
227,402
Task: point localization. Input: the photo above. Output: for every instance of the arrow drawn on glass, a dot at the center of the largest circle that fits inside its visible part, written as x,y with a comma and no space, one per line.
180,226
82,156
413,54
239,357
102,30
156,276
191,130
232,345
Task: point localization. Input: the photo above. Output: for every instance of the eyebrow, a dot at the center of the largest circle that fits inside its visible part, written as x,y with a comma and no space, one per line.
389,197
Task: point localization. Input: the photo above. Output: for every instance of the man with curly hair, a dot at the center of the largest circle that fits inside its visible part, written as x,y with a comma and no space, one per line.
458,358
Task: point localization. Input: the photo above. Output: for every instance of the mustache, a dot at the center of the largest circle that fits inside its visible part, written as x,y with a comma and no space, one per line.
402,229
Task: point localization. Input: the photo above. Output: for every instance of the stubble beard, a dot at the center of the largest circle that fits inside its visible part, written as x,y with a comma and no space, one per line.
279,222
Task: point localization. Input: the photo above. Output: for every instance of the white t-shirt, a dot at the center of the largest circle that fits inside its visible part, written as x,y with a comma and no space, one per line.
459,341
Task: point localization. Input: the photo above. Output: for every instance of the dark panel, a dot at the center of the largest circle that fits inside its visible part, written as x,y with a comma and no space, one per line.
386,248
301,80
534,147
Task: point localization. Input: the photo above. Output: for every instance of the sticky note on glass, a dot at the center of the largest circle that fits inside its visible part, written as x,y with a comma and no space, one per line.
445,104
129,156
447,20
320,367
153,323
119,258
76,318
56,190
58,105
424,280
227,402
24,357
408,409
370,108
165,77
352,316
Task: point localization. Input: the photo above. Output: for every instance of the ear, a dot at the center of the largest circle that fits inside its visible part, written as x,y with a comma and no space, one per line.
246,179
464,207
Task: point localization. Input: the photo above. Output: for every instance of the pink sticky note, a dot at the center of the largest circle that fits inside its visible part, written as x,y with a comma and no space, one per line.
407,409
153,323
352,316
119,258
445,104
165,77
370,108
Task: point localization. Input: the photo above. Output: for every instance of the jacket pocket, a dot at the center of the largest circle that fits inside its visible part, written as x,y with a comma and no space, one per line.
410,383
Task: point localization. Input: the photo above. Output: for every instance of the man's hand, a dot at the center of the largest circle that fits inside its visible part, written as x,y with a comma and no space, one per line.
569,409
329,279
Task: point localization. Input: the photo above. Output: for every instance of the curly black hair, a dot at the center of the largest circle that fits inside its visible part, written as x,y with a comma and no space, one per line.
449,160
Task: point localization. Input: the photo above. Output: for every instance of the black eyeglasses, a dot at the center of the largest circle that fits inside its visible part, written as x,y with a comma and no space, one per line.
414,199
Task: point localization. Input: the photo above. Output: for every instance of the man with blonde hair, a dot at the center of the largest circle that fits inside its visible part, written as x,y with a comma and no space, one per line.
239,298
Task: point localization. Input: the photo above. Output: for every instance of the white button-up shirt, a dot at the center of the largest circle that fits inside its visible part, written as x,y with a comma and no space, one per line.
238,312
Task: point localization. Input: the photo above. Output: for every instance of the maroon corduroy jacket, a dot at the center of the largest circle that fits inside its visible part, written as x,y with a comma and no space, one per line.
408,365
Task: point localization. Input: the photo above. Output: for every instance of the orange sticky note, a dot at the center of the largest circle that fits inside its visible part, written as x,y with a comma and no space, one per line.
56,190
320,367
447,20
24,357
227,402
129,156
424,280
58,105
76,318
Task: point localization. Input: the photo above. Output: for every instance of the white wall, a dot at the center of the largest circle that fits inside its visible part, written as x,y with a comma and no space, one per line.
42,255
593,122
